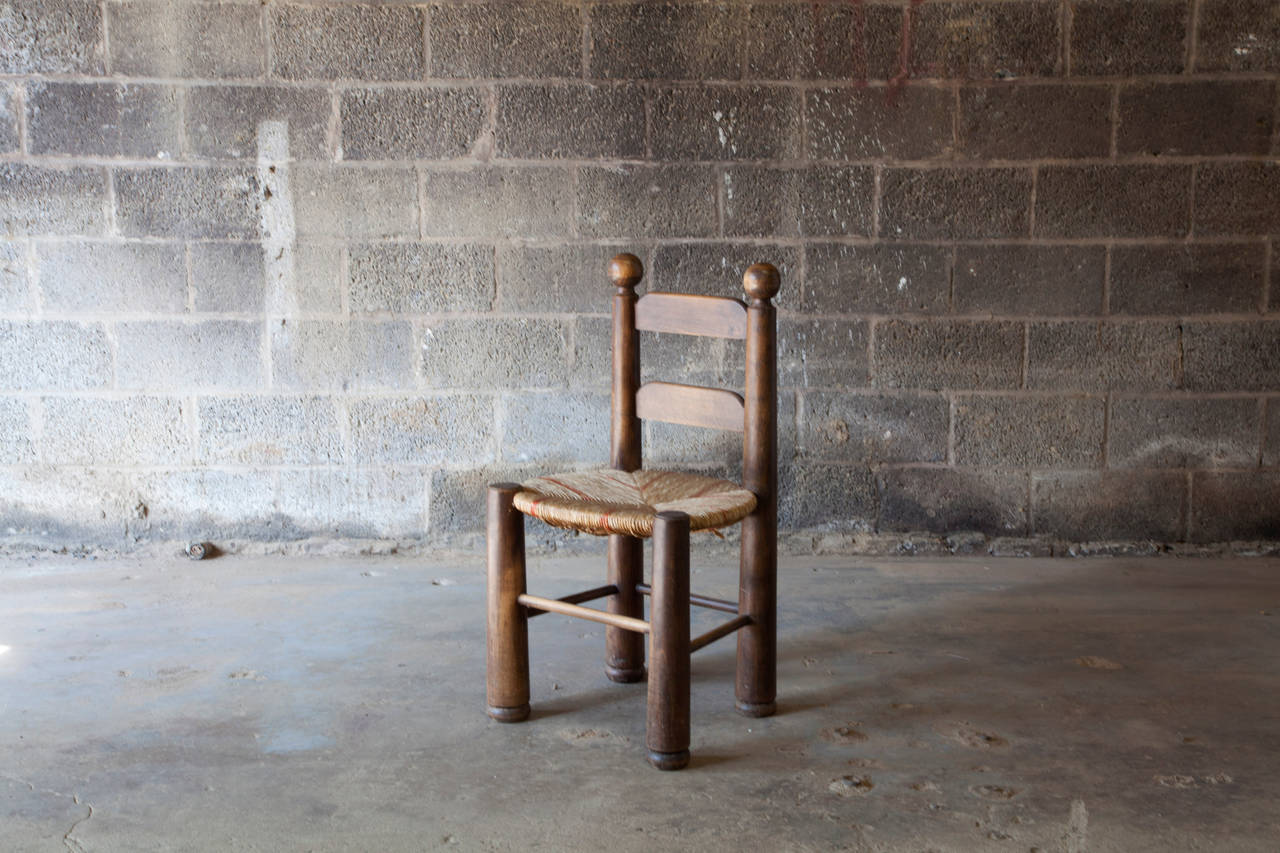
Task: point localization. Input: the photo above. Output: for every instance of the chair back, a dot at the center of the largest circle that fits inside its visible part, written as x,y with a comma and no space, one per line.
754,413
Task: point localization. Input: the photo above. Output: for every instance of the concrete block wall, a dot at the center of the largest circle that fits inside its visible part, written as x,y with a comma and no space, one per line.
287,272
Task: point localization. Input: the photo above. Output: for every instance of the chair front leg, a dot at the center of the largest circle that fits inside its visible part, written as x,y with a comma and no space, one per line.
507,675
624,650
667,729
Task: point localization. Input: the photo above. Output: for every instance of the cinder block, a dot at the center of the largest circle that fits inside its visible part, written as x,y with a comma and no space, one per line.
571,120
1271,435
555,428
1238,35
53,505
1124,39
823,41
955,204
227,277
351,42
347,503
332,355
670,41
15,432
879,279
222,122
716,269
112,277
203,505
557,279
9,140
188,201
1238,198
500,353
1029,432
230,277
134,431
1029,280
1207,117
510,202
455,429
646,201
823,353
725,123
977,40
53,356
355,203
1085,506
46,200
1113,201
414,124
15,288
593,353
895,123
1239,506
716,453
1231,356
506,40
1096,356
1016,122
874,428
1183,433
51,37
831,497
185,39
947,355
421,278
687,359
762,201
948,500
167,355
1187,278
261,430
102,119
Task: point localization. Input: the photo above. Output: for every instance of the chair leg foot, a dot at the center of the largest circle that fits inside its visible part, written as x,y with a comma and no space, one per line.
624,675
518,714
756,709
669,760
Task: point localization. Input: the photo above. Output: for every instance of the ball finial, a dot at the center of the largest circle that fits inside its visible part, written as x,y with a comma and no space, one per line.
761,281
625,270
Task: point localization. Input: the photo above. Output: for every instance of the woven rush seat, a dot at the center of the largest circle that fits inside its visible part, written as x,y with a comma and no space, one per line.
606,501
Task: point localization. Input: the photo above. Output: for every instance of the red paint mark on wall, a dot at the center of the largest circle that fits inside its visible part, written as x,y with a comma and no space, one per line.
904,54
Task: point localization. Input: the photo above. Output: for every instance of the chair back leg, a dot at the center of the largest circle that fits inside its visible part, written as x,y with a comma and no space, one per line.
758,598
624,650
667,726
507,650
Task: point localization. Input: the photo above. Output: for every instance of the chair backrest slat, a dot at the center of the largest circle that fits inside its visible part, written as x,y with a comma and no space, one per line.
693,405
690,314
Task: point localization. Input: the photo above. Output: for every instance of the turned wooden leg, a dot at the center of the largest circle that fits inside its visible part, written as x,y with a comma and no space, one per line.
667,729
757,678
624,650
508,634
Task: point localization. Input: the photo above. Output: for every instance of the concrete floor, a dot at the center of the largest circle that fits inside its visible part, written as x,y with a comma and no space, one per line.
337,704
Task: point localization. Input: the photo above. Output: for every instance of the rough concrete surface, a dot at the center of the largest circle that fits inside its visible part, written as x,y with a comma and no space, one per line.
337,704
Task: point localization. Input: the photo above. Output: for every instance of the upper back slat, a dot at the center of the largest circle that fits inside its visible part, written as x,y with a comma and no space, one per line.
686,314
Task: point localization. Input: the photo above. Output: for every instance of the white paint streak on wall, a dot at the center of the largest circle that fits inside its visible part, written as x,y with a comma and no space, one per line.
279,232
1077,838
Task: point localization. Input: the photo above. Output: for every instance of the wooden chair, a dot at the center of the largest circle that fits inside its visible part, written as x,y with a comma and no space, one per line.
628,504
